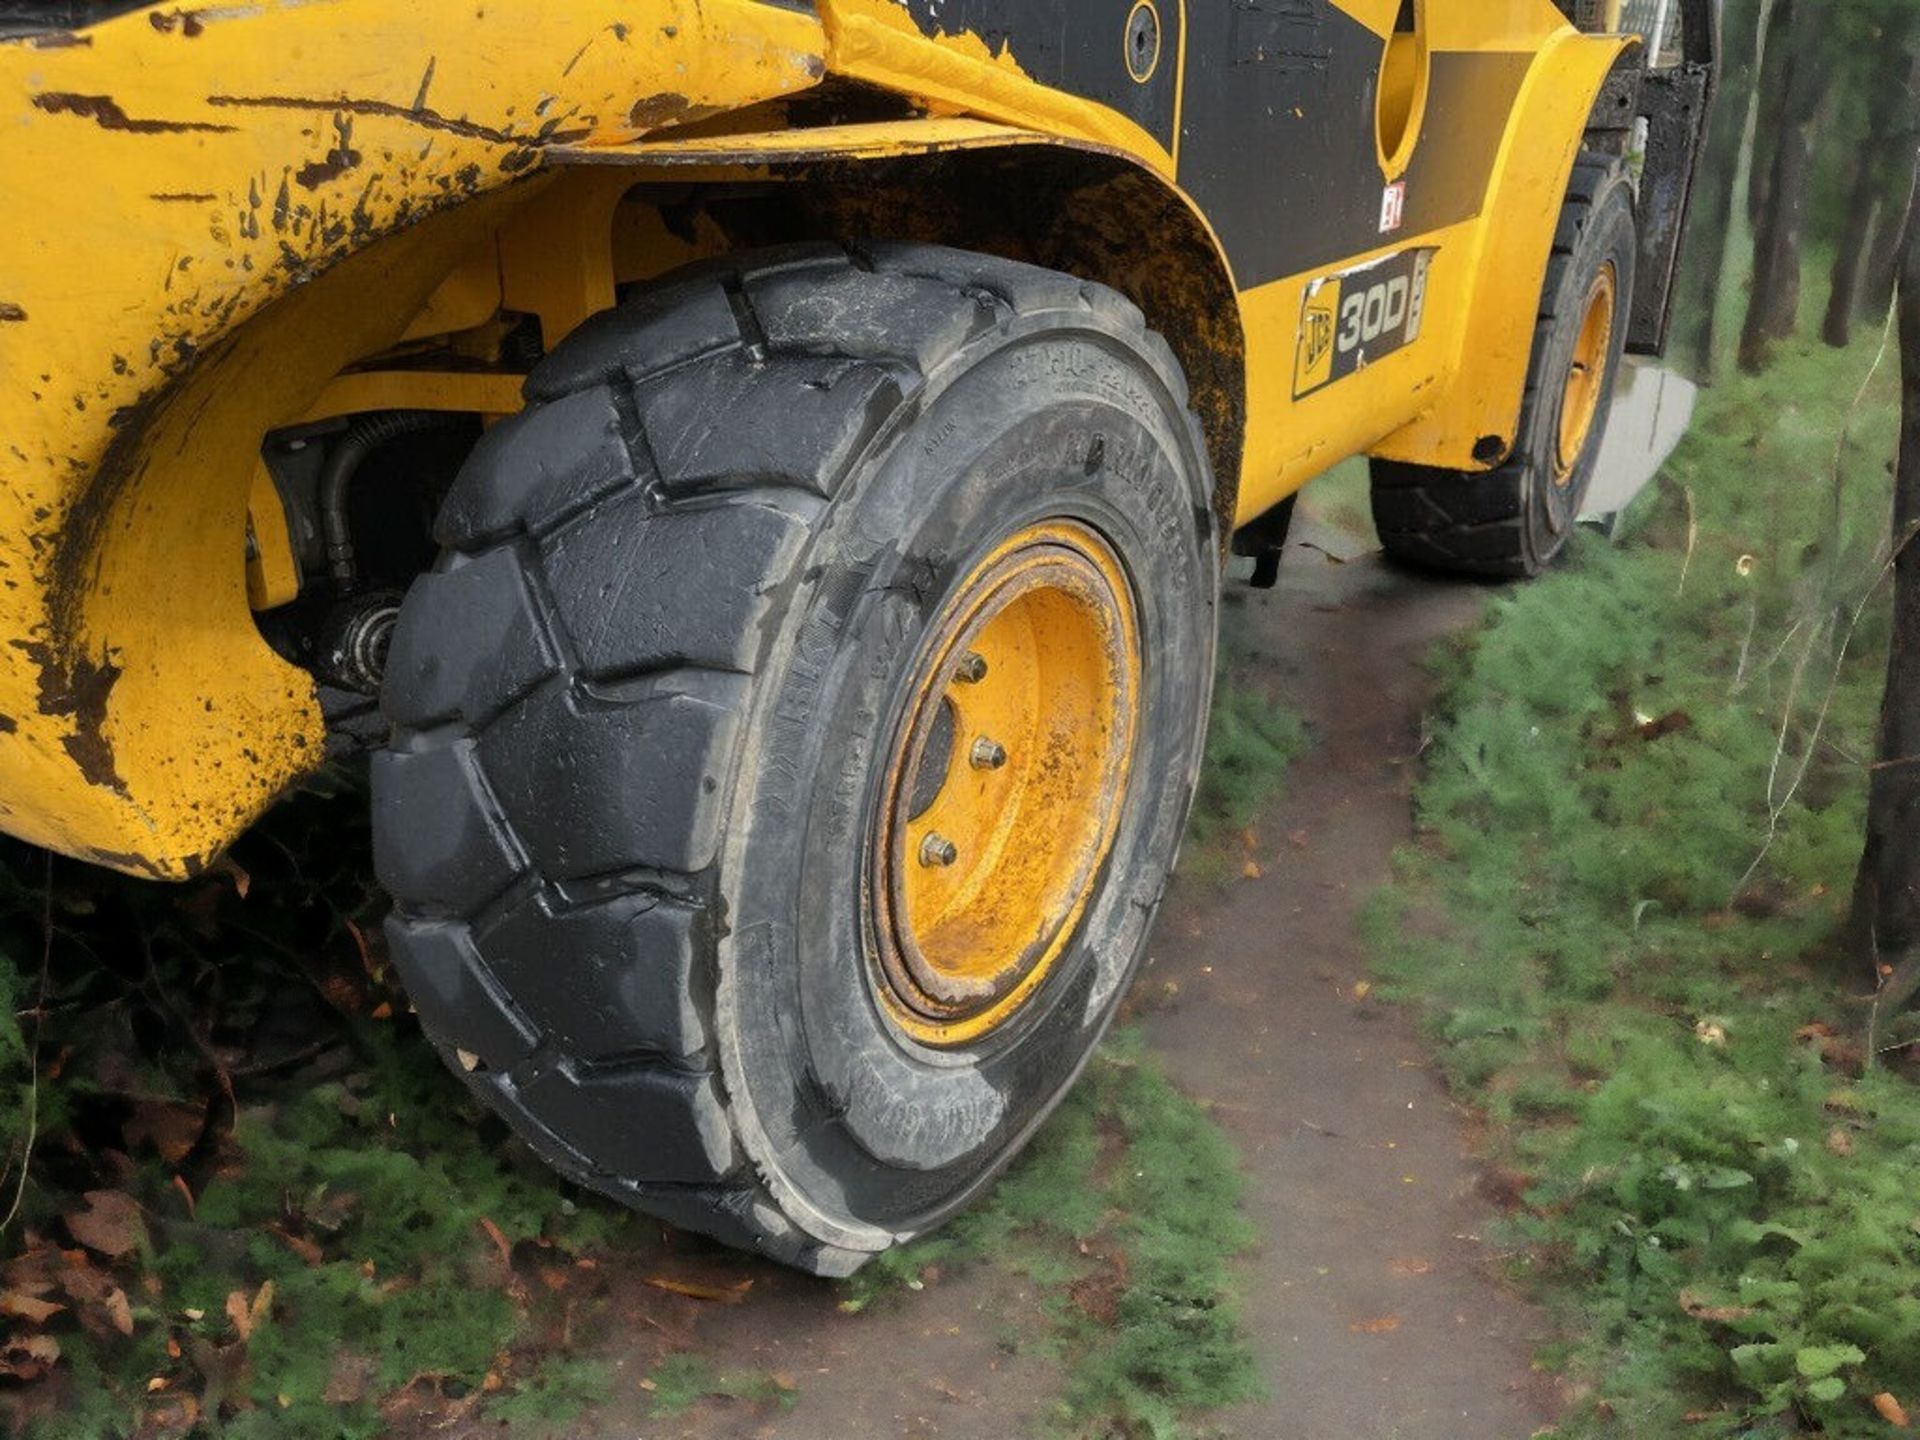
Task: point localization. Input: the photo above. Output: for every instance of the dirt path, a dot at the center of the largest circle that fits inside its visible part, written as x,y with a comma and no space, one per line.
1369,1302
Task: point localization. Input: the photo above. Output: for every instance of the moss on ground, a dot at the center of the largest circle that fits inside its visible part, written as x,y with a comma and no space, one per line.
1125,1213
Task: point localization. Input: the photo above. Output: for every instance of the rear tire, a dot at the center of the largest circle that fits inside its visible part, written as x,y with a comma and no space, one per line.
1512,521
647,705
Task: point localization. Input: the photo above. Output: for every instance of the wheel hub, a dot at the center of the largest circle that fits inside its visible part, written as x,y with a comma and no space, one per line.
1003,783
1584,391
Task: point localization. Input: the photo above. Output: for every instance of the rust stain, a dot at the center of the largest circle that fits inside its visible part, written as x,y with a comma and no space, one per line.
105,112
77,687
655,112
177,196
11,311
341,158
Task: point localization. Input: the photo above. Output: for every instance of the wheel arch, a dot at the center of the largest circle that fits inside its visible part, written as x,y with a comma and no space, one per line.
1088,210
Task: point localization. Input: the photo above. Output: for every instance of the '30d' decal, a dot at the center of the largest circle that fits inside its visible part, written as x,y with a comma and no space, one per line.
1351,319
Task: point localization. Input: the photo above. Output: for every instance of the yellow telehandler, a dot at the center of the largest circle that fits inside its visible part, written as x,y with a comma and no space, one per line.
755,477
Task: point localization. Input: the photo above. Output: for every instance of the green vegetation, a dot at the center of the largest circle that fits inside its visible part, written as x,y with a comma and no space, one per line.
1125,1215
684,1380
1638,831
1252,740
256,1205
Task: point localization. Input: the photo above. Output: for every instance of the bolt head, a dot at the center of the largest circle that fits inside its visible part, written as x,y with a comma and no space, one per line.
972,668
988,754
937,851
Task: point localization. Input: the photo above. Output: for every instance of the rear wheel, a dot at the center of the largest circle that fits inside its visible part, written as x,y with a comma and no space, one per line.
794,740
1513,520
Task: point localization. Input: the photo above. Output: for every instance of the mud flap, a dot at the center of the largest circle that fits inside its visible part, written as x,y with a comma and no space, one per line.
1652,410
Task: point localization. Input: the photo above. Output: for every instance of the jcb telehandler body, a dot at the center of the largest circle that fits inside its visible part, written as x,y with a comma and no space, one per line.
803,433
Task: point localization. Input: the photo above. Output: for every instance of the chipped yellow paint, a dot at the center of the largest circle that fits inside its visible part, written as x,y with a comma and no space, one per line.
197,183
227,216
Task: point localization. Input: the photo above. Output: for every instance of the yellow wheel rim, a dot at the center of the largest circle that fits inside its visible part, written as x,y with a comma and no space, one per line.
1581,397
1003,784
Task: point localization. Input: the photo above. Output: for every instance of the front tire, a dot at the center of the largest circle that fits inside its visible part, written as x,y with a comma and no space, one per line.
708,667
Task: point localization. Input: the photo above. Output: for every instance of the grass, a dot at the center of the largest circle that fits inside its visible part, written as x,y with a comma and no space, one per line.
1252,741
325,1238
1638,828
1125,1212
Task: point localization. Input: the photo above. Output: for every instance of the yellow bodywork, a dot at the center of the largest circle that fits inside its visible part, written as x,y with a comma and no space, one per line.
222,216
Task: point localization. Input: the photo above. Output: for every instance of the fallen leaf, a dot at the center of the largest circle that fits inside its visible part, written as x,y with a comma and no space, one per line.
1840,1143
1378,1326
239,1315
1670,723
26,1307
307,1249
1890,1409
1700,1308
111,1223
1251,870
262,1307
119,1312
383,1011
1362,989
156,1383
28,1357
725,1294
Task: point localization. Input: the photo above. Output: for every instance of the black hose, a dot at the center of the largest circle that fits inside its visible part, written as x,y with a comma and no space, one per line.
365,435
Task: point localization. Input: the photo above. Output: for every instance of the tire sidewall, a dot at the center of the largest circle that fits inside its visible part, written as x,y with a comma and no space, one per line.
862,1135
1610,233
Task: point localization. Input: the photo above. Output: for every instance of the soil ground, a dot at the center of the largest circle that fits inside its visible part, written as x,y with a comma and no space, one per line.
1371,1301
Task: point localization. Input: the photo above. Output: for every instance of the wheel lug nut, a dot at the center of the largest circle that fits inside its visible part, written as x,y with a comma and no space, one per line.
937,850
988,754
972,668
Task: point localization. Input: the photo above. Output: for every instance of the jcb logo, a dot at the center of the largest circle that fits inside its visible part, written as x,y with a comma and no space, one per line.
1350,320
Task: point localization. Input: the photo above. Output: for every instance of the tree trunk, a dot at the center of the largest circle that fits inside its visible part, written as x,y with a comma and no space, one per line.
1883,255
1773,309
1775,46
1712,220
1888,100
1886,895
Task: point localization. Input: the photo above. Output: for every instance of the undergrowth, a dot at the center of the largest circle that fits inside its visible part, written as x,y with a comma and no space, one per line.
256,1206
1642,810
1125,1215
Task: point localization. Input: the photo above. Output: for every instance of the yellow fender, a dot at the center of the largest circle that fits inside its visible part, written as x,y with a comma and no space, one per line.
1471,424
